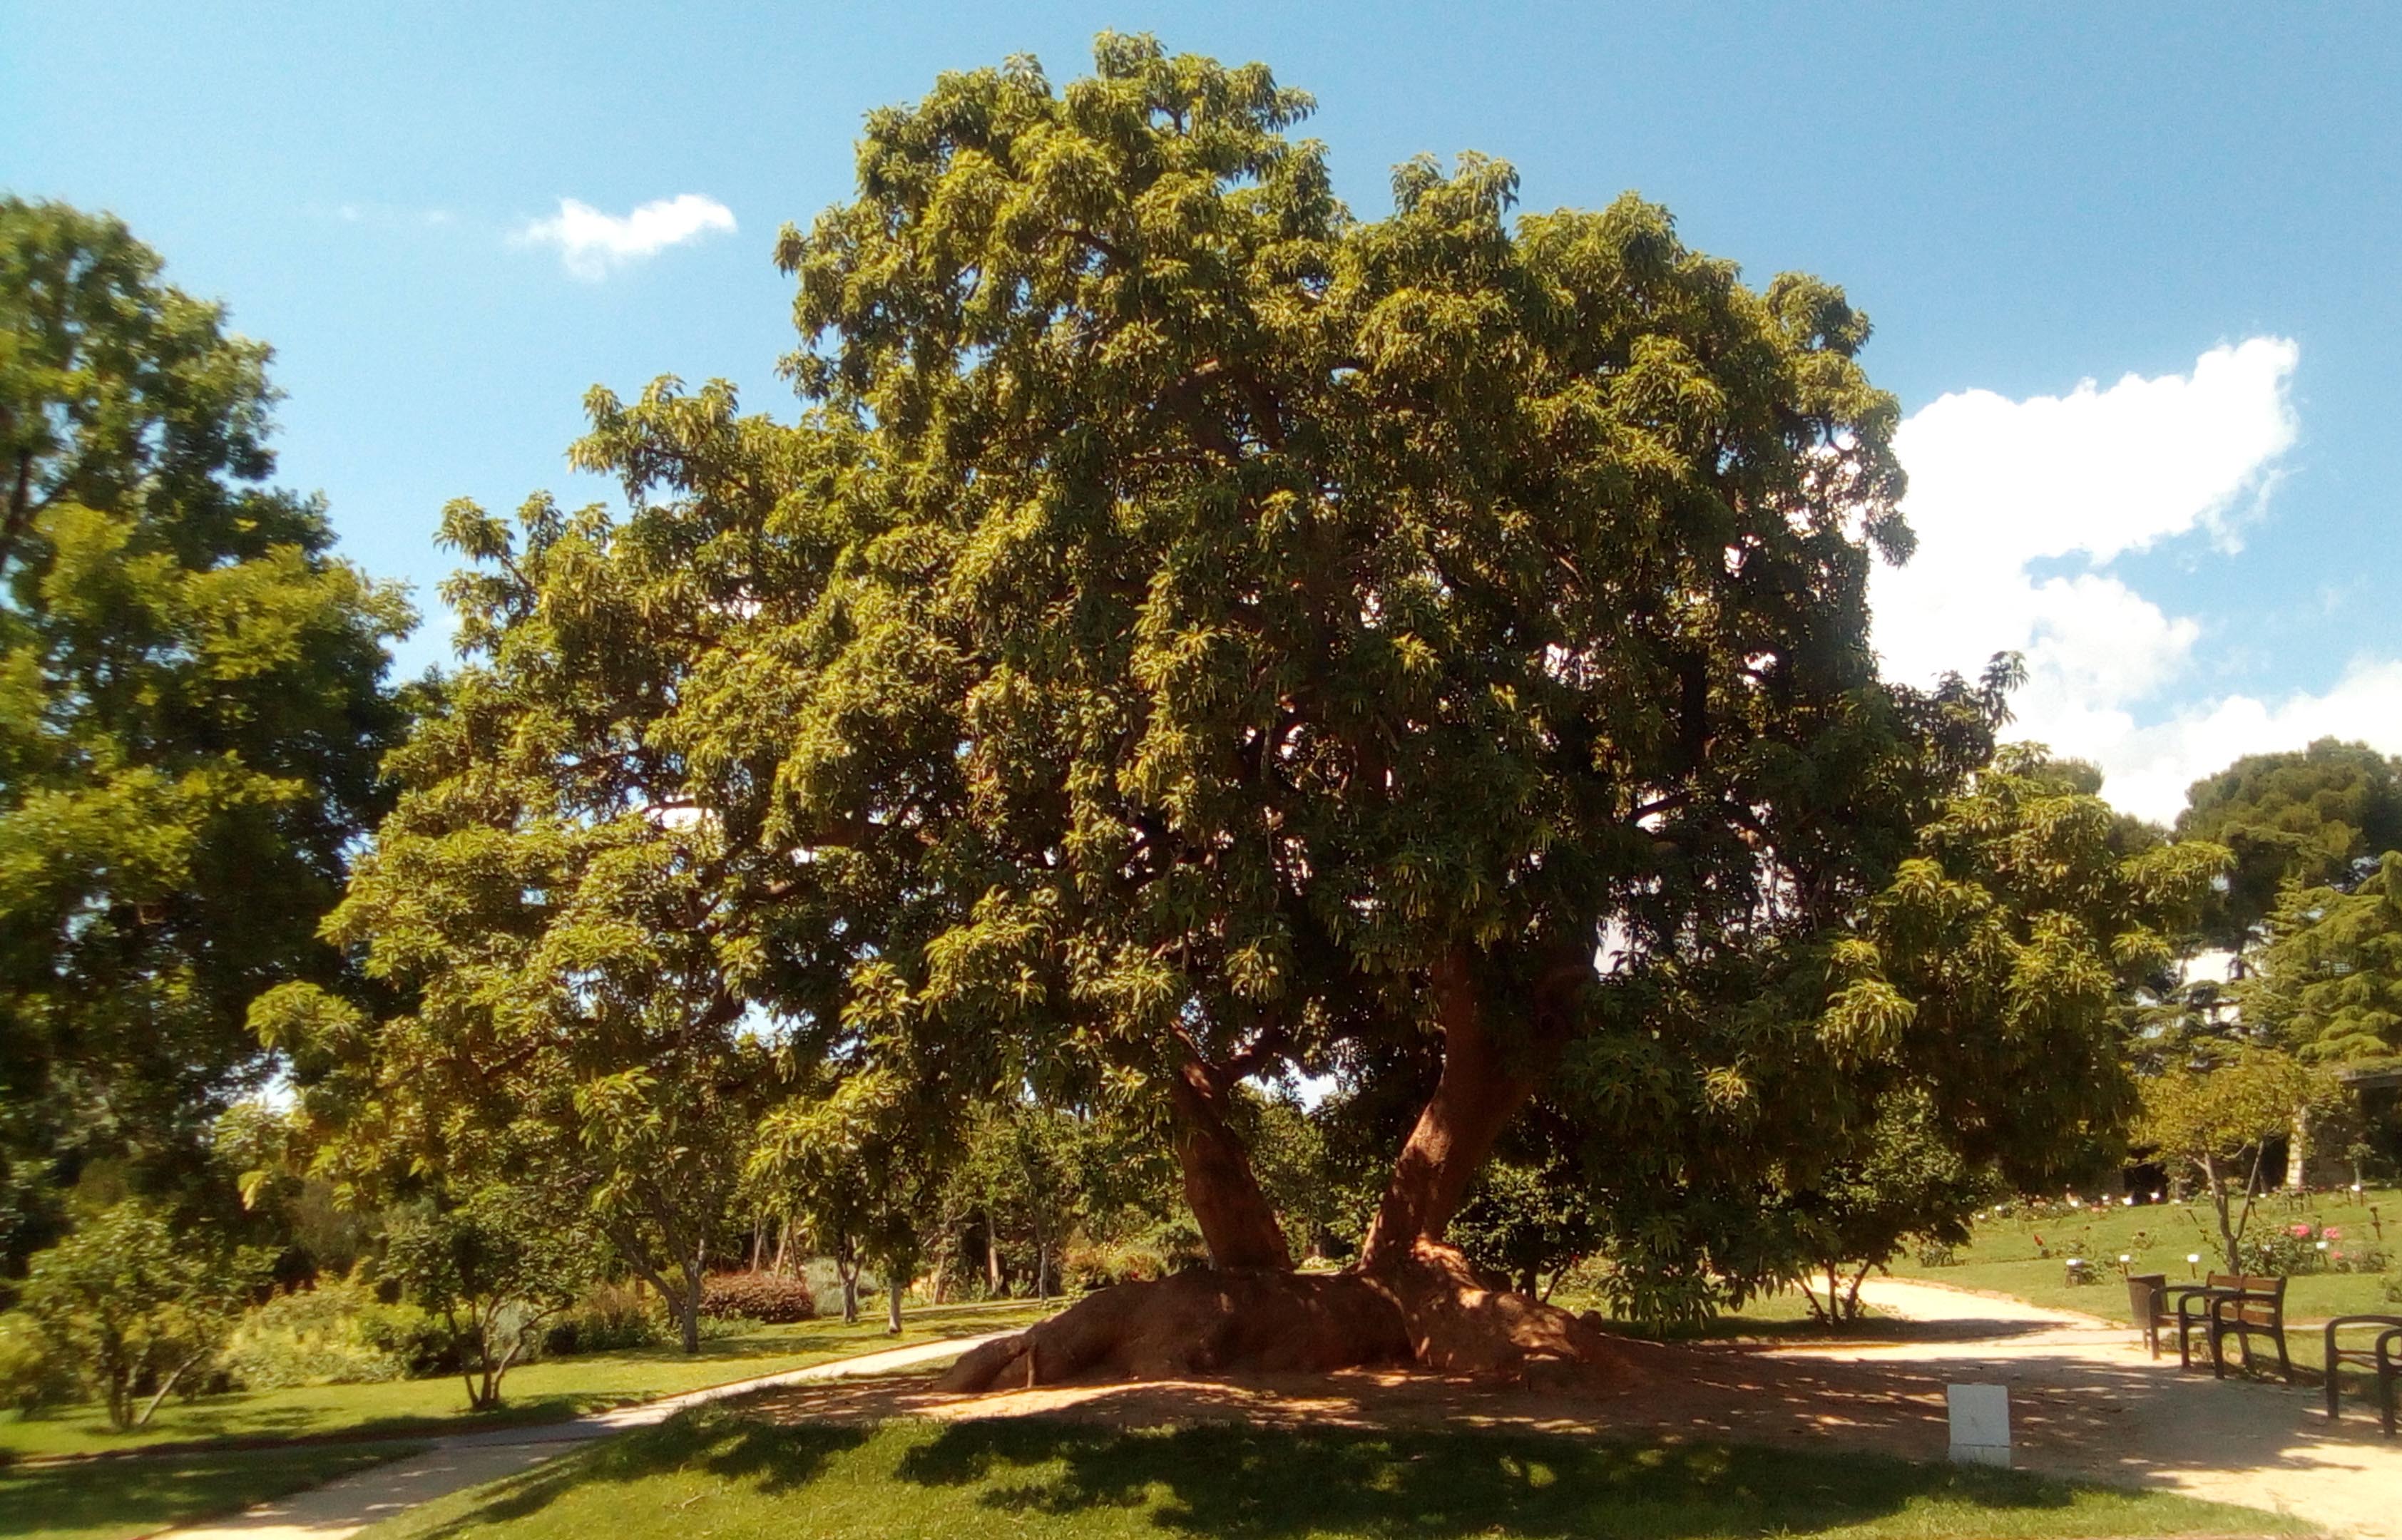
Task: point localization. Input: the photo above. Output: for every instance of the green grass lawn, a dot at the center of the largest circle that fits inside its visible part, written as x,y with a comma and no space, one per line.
128,1497
716,1473
2159,1237
2003,1259
545,1391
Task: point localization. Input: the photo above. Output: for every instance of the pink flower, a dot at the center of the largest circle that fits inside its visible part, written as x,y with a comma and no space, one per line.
2333,1232
2299,1229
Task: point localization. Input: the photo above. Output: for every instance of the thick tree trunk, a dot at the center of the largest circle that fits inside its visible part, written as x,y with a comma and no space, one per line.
1236,1222
1482,1087
2298,1151
892,1307
1412,1298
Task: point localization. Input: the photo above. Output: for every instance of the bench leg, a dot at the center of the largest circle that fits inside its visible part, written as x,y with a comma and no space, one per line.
2285,1364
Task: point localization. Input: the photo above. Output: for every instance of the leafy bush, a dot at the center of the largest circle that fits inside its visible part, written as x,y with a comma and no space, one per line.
422,1343
32,1373
610,1318
137,1303
2304,1248
774,1298
312,1337
1100,1264
1937,1254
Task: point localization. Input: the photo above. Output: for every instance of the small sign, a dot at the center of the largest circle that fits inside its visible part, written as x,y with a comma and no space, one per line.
1980,1424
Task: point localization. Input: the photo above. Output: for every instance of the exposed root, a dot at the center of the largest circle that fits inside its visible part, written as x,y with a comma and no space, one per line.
1430,1310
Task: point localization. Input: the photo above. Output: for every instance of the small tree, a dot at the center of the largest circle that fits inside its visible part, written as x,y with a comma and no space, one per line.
1021,1168
856,1163
1908,1185
2216,1120
136,1304
1527,1219
494,1269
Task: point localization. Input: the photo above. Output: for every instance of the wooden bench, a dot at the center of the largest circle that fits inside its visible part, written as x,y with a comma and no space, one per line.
2152,1303
2243,1307
2383,1358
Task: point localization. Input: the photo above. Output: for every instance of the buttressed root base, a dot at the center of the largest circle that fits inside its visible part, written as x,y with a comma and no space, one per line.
1430,1309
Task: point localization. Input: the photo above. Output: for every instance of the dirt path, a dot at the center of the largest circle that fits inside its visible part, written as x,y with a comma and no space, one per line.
2088,1400
343,1507
2084,1403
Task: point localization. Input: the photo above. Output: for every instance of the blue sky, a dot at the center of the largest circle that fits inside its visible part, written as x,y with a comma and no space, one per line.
2024,198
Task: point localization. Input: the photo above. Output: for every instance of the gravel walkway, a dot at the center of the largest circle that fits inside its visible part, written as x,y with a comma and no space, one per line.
343,1507
2088,1400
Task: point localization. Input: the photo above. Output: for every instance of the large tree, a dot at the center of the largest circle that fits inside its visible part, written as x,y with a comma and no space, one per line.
549,909
2308,817
193,707
1194,635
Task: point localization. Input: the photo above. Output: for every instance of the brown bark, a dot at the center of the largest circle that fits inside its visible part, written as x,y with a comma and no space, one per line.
1236,1222
1430,1309
1482,1086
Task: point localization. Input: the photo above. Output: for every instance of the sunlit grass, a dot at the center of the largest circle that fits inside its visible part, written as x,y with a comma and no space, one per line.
717,1473
548,1391
129,1497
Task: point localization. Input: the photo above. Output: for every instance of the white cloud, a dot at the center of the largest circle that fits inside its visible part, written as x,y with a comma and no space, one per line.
1998,486
591,242
2150,767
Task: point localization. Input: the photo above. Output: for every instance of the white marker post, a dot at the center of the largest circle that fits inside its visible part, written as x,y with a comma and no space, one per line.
1980,1424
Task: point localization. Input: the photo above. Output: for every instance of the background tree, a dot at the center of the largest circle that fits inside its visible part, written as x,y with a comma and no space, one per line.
135,1302
2304,818
1021,1170
859,1162
549,905
1911,1187
2330,984
193,707
2215,1120
494,1267
1523,1221
1977,998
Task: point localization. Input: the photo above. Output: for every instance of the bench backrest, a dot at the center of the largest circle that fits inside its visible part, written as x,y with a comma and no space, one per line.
2258,1301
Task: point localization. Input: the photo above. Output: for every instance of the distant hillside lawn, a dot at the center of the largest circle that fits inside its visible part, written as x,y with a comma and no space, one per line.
715,1472
2003,1259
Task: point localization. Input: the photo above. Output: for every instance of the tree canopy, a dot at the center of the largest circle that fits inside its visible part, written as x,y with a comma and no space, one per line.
1194,635
193,707
2305,817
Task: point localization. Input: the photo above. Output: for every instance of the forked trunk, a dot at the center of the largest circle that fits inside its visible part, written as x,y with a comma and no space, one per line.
1482,1088
1236,1222
1412,1298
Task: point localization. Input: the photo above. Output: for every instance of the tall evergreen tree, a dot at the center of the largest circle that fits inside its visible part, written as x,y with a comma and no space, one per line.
2309,817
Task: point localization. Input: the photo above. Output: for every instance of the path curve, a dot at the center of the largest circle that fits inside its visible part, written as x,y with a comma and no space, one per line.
344,1508
2089,1401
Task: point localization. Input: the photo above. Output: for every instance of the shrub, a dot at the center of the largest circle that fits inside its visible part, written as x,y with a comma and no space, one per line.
1101,1264
773,1298
33,1374
610,1318
312,1337
1936,1253
419,1343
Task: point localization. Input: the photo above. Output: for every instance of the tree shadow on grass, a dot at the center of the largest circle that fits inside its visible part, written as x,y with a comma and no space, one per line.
769,1460
1256,1484
141,1495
